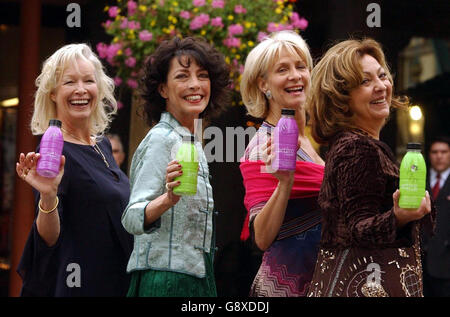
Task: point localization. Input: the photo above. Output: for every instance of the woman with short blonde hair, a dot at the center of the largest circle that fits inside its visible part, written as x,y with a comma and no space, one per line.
283,219
260,59
46,82
78,212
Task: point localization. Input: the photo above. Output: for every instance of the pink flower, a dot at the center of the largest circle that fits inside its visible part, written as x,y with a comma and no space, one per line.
185,15
235,29
218,4
217,22
108,23
130,62
199,21
132,83
128,52
198,3
119,105
145,36
297,22
232,42
272,27
240,9
132,6
261,36
113,12
134,25
111,52
124,24
117,81
295,16
102,50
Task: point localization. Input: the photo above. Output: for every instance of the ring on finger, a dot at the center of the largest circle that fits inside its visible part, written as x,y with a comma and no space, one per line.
167,187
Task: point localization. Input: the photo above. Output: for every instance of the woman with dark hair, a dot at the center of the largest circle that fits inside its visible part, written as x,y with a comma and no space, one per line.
184,80
369,245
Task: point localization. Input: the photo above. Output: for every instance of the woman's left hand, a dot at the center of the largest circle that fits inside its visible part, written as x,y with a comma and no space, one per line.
404,216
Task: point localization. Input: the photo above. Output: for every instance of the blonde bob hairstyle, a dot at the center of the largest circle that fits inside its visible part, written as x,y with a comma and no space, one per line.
52,71
258,62
338,72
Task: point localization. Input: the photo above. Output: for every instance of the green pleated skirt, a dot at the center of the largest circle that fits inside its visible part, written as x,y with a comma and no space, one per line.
153,283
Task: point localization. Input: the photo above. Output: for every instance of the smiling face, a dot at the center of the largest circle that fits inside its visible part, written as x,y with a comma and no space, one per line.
288,81
371,100
76,93
187,89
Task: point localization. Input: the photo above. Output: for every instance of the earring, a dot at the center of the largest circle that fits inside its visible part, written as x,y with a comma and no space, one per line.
268,94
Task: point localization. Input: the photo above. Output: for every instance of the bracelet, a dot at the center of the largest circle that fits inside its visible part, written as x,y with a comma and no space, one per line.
48,211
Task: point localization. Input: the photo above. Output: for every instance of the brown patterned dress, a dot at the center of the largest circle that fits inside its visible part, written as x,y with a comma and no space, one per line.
362,253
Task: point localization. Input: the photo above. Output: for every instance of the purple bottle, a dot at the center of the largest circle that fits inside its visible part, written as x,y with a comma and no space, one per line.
285,140
51,147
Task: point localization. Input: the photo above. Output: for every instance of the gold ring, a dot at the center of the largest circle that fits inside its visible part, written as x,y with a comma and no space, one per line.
167,187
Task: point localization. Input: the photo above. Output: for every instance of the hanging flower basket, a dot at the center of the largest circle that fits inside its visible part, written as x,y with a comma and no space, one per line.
234,27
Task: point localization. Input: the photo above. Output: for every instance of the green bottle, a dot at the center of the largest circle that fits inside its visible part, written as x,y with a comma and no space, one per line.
188,158
413,173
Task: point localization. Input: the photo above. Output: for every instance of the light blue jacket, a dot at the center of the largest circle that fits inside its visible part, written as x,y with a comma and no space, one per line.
177,240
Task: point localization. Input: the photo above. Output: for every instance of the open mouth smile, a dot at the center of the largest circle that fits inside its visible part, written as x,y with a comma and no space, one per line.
193,98
79,102
295,89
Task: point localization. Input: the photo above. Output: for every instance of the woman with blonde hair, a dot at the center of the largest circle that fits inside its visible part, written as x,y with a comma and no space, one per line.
77,246
369,245
283,218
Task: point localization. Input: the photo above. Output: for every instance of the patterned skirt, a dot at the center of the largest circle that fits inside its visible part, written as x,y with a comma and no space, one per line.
288,265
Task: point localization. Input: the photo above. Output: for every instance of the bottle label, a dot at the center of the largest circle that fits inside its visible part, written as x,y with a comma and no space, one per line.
285,142
51,147
188,180
412,180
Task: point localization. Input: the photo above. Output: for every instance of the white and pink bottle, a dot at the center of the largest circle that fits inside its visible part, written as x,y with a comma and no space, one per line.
51,147
285,141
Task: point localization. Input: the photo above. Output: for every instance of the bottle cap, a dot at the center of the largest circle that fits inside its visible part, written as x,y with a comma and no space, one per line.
413,146
290,112
188,138
55,122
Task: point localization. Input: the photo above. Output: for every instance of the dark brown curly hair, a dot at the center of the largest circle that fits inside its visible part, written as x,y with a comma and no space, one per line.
157,66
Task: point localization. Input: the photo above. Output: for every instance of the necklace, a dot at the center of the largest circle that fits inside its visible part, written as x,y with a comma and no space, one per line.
95,146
